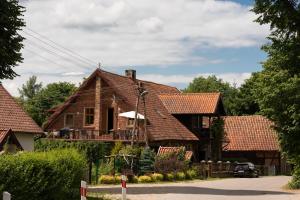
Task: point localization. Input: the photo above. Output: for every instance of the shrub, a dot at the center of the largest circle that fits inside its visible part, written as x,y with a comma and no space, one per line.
180,176
132,179
106,179
191,174
169,163
295,182
169,177
157,177
35,175
144,179
118,179
147,160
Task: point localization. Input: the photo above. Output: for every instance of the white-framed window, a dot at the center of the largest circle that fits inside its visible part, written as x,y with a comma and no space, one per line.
89,116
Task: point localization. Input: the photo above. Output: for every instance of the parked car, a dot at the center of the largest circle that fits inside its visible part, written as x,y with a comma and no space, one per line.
245,170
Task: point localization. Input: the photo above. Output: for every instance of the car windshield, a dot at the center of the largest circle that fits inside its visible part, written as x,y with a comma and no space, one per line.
242,167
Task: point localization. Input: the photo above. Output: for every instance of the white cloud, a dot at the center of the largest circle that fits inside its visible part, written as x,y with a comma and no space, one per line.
130,33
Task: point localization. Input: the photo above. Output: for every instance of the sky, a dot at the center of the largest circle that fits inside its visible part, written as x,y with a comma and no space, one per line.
165,41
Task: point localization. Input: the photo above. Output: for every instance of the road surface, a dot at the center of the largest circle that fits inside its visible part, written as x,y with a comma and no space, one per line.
263,188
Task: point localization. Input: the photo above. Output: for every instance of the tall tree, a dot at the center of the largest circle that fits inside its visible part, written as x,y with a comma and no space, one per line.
52,95
278,85
213,84
10,40
30,89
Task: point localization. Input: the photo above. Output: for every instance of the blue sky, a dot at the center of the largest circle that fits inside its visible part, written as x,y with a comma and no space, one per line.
165,43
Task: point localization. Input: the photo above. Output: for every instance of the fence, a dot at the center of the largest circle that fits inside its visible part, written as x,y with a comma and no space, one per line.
225,169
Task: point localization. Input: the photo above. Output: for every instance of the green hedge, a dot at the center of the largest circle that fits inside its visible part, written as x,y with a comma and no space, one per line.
42,175
93,150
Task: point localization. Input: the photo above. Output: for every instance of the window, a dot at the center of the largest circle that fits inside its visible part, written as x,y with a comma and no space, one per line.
89,116
130,122
69,120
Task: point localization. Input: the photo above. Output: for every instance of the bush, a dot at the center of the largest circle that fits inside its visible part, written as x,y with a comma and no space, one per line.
35,175
180,176
295,182
157,177
191,174
147,160
132,179
107,179
169,177
118,179
144,179
171,162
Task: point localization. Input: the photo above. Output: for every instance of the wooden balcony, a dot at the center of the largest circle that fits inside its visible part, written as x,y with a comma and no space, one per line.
96,135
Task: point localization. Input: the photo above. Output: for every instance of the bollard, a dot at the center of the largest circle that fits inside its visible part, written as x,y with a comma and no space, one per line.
123,182
6,196
209,167
83,190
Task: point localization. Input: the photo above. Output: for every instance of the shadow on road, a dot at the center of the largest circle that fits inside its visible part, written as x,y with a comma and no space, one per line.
186,190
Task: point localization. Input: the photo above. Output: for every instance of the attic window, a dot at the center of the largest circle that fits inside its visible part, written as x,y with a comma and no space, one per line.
160,114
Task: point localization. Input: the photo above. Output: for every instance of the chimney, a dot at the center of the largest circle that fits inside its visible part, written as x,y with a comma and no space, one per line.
130,73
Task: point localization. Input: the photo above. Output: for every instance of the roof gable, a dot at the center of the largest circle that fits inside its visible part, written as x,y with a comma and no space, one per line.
12,116
191,103
250,133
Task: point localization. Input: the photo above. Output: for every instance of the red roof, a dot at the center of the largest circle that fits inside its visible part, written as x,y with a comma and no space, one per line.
250,133
12,116
191,103
162,126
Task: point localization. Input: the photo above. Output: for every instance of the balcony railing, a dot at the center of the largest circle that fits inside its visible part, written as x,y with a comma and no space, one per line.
118,135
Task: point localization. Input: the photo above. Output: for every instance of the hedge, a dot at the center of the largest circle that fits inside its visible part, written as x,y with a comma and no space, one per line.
42,175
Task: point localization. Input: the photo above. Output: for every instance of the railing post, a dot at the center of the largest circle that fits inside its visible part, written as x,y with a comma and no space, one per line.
209,163
6,196
203,168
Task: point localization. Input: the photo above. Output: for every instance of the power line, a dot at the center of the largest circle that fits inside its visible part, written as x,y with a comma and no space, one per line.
55,43
55,53
68,54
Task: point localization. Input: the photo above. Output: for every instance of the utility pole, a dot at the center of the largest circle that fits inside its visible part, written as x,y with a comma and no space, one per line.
145,123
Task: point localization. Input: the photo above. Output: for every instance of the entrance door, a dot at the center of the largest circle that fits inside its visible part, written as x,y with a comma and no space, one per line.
110,119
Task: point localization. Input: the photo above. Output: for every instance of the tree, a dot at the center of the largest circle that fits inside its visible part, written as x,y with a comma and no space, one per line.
278,85
245,102
213,84
10,40
30,89
52,95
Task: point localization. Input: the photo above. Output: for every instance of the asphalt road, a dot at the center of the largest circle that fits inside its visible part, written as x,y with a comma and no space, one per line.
263,188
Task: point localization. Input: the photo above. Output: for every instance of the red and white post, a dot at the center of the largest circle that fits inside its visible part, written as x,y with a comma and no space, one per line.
123,182
6,196
83,190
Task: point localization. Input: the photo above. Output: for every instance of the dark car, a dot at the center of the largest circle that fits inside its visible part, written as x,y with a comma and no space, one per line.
245,170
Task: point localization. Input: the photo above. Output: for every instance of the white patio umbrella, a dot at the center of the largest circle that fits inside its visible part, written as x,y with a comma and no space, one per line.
131,114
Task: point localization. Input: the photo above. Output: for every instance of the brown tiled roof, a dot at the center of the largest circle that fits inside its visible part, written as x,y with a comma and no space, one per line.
12,116
191,103
3,135
162,126
250,133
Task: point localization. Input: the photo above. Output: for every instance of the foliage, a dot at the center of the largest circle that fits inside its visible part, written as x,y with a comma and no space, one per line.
144,179
180,176
170,162
147,160
157,177
93,151
30,89
131,150
132,179
48,97
117,147
11,22
36,175
169,177
118,179
278,85
217,132
107,179
191,174
213,84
